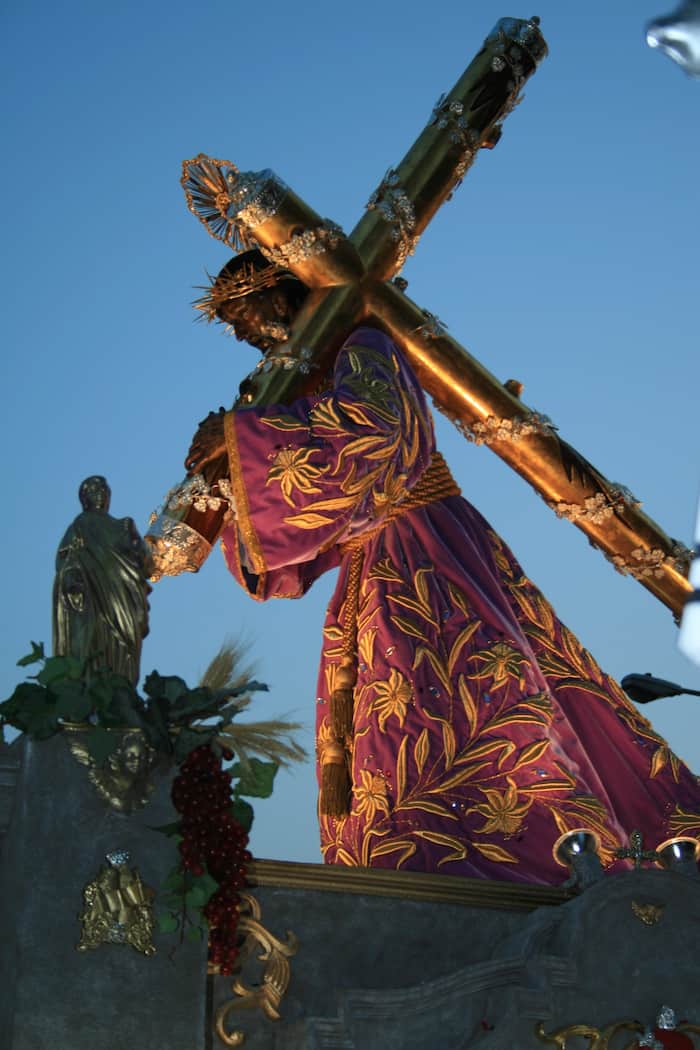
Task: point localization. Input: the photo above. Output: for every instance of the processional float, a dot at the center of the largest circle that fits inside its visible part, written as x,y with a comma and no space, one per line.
354,279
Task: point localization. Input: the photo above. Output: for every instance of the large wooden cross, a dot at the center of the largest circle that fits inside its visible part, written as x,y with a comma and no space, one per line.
354,279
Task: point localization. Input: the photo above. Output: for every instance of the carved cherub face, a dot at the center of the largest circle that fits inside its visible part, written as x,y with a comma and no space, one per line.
131,758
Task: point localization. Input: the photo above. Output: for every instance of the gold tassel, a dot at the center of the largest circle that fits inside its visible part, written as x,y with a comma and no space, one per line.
335,783
343,699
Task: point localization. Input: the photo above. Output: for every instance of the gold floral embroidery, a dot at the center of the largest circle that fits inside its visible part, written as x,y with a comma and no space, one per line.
501,809
499,662
391,698
370,795
291,467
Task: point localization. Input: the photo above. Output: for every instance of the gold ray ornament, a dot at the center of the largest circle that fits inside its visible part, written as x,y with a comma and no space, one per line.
353,279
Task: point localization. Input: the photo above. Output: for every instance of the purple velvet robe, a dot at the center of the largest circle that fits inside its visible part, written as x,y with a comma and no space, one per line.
483,730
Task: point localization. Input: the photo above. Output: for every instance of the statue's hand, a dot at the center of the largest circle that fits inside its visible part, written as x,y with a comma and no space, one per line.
208,443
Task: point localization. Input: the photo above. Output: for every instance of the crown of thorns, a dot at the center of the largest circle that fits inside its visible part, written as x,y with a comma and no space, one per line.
227,286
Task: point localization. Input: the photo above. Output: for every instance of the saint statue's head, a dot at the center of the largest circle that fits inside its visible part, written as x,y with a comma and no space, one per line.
94,493
255,299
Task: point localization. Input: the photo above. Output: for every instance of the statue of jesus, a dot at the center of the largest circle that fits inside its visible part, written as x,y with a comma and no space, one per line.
461,727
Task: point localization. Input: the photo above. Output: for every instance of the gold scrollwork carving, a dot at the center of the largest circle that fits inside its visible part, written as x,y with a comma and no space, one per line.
600,1038
275,954
649,914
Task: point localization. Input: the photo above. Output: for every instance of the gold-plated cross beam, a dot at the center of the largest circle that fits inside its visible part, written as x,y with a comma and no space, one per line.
353,280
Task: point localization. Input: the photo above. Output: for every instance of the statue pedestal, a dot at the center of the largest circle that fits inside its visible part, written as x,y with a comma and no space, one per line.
111,997
384,961
390,961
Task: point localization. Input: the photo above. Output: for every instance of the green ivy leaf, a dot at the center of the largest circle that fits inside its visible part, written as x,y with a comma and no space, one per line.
188,739
194,933
100,744
59,667
243,812
31,708
192,703
202,888
169,687
167,829
257,780
36,654
73,703
167,922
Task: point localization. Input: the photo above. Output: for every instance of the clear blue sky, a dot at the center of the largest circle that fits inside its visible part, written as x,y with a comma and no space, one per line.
568,260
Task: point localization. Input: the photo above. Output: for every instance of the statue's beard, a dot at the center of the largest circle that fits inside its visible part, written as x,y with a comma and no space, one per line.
275,331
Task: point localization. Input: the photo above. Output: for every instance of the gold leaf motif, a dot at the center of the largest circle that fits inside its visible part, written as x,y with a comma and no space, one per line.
460,600
459,778
385,570
459,643
283,422
408,627
658,761
495,853
467,703
365,646
684,822
401,770
420,751
429,807
449,744
506,753
308,521
414,606
382,849
344,857
459,850
530,753
477,751
435,662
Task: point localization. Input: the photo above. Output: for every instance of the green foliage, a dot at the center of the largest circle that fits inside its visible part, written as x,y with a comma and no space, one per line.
36,654
243,812
256,778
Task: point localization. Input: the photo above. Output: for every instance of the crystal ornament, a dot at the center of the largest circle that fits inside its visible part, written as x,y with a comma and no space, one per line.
678,36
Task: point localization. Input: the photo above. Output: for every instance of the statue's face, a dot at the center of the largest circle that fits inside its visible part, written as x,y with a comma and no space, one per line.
260,318
95,494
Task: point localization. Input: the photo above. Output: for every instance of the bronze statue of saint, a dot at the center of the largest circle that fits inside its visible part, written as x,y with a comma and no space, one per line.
100,595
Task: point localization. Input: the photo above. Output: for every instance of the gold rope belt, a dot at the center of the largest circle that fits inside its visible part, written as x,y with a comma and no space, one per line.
435,484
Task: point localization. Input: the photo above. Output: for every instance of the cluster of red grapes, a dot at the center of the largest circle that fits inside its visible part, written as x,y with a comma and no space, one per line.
214,840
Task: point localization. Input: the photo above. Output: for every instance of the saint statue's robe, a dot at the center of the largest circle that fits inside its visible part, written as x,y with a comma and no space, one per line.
482,729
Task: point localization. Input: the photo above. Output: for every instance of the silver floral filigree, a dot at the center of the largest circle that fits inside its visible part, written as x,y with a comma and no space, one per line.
301,360
433,327
306,244
597,508
495,429
448,115
394,205
175,547
195,491
646,563
255,197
